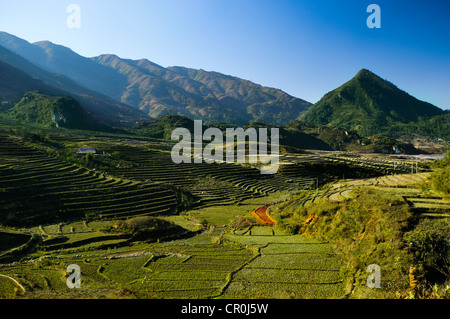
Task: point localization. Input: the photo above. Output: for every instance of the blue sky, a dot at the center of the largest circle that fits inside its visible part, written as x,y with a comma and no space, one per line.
305,48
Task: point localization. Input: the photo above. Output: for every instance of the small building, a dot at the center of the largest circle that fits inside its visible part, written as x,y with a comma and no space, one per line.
86,150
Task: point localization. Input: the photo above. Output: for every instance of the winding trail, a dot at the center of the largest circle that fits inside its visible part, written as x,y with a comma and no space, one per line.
15,281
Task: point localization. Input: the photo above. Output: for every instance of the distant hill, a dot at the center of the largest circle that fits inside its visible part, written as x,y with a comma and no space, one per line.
163,126
368,105
295,137
121,91
54,111
197,94
263,104
62,60
335,138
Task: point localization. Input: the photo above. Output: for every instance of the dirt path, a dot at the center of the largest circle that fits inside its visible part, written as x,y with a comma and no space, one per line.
15,281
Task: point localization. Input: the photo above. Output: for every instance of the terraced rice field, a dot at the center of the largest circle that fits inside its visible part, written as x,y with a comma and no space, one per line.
342,190
211,184
192,268
285,266
34,185
384,166
430,207
54,198
61,207
214,184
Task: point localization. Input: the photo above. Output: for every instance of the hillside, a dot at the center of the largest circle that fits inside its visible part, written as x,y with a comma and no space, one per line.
294,137
197,94
156,90
54,111
434,127
162,127
368,105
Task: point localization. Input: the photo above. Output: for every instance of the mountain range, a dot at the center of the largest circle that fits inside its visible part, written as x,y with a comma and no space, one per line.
155,90
123,92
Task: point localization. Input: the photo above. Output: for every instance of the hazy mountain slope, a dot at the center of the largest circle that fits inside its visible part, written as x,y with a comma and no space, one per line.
368,105
156,90
14,84
62,60
32,70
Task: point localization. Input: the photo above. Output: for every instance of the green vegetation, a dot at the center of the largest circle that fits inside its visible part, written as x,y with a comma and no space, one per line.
440,179
163,126
54,111
145,228
437,127
375,226
370,105
285,266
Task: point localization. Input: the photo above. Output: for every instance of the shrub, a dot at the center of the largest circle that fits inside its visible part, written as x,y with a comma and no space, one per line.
143,228
440,179
241,222
429,243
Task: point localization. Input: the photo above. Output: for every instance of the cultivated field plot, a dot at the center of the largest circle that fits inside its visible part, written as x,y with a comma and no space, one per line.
213,184
260,263
383,165
188,268
401,184
64,213
429,207
285,266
